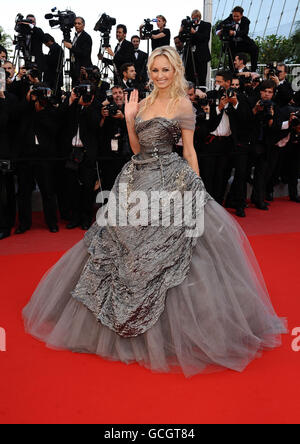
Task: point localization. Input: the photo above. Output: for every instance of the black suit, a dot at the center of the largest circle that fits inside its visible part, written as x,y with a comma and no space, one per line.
81,183
124,55
81,55
242,42
200,47
141,66
37,163
52,62
284,93
8,111
216,165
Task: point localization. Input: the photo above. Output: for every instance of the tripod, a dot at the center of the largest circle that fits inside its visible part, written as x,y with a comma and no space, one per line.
63,70
189,54
226,54
22,51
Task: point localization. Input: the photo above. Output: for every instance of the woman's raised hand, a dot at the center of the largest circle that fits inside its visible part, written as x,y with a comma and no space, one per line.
132,105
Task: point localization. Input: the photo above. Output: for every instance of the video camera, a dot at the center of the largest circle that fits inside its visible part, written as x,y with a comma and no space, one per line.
187,24
104,26
22,25
226,28
65,21
112,107
147,29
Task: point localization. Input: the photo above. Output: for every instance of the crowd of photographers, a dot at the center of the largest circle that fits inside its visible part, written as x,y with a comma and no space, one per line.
72,144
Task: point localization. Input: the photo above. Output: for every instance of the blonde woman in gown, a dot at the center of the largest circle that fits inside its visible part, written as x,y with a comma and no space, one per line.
153,294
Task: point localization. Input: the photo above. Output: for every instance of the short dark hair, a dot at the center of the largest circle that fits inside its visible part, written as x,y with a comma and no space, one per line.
125,66
236,78
124,27
80,18
268,84
117,87
2,49
48,38
135,37
227,75
242,56
191,85
238,9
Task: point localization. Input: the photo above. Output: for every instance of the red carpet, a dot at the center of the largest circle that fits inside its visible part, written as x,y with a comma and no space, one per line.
38,385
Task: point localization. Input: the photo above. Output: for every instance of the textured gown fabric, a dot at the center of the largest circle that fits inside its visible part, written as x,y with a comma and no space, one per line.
152,294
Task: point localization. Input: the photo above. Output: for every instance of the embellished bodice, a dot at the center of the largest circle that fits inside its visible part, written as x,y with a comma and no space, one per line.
157,136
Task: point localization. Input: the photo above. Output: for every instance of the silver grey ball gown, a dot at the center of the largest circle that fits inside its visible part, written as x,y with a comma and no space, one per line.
151,294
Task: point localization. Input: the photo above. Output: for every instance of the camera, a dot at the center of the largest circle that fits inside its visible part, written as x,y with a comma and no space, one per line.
187,24
42,93
296,121
273,71
267,109
147,29
104,26
230,93
226,28
86,91
22,25
112,107
64,20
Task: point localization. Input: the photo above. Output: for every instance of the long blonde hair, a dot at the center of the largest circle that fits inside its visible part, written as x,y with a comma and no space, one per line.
179,87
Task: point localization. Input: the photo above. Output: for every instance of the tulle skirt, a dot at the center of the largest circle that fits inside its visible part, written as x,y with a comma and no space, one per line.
220,317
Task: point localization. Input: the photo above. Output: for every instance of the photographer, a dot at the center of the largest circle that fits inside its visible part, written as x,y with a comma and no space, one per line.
8,124
235,29
52,63
161,36
82,119
283,87
115,149
124,51
197,38
265,135
80,49
93,75
37,150
204,123
34,41
141,60
231,116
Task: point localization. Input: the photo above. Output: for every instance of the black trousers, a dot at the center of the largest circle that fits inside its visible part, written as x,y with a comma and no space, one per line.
248,48
81,191
259,154
7,202
201,70
40,172
214,161
239,160
293,168
273,160
61,189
